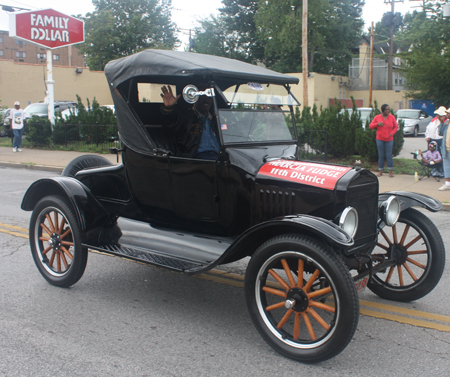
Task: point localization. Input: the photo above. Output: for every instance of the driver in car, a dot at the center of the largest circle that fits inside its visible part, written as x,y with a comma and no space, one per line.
194,128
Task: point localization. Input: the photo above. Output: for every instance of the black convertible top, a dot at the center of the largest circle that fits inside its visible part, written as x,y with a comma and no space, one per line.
185,64
176,68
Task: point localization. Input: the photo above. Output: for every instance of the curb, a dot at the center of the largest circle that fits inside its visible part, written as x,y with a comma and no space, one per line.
55,169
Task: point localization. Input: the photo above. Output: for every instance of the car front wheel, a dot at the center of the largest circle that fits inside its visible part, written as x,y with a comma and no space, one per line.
55,242
301,298
417,248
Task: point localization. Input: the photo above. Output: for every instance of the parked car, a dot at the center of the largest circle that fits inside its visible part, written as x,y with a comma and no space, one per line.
364,114
74,110
416,121
5,124
315,233
40,109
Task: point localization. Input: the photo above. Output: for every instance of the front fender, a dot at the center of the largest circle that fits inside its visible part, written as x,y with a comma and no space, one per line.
412,199
249,241
88,210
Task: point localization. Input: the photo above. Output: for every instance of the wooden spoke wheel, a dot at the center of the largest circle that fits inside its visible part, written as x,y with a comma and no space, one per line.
55,242
301,298
416,246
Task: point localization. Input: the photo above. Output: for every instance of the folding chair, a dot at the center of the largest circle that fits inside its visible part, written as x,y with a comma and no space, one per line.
428,170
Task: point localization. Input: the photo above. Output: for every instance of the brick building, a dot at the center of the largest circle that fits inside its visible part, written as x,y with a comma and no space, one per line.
25,52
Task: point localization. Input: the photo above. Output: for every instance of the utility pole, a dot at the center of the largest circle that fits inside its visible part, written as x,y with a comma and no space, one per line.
371,65
305,52
391,47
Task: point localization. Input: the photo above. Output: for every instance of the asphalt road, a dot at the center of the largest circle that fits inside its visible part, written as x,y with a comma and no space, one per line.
128,319
411,144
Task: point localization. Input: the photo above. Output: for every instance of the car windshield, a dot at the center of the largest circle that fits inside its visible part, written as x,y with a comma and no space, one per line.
249,125
408,114
259,94
37,108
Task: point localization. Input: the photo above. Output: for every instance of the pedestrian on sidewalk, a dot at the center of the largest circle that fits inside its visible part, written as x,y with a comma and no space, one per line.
16,115
431,133
386,126
445,151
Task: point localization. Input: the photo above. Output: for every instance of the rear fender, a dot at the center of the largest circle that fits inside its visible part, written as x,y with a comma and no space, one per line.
90,213
412,199
319,228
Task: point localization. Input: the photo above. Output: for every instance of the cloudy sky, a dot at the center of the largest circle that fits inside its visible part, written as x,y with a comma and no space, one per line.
185,13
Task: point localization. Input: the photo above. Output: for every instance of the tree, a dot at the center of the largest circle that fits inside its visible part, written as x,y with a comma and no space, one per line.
239,17
427,63
232,33
213,38
119,28
333,28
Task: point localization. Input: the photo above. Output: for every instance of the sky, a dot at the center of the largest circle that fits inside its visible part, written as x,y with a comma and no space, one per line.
186,12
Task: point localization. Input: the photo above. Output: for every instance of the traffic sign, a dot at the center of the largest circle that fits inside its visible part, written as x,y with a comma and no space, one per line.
46,27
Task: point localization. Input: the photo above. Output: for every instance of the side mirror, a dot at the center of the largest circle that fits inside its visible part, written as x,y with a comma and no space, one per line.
191,93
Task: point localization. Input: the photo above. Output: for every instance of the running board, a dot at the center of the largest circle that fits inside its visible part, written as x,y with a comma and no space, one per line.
151,257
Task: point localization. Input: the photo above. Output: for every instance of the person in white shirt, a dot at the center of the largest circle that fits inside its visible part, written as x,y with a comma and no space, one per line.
431,133
16,115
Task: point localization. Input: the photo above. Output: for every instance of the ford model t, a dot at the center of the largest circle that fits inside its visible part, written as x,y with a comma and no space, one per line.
315,233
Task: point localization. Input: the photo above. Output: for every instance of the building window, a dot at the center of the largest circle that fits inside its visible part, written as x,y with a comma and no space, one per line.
1,39
1,52
21,54
55,57
21,43
41,56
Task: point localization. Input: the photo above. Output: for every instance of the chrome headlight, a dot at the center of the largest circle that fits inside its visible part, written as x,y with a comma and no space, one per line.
349,221
390,210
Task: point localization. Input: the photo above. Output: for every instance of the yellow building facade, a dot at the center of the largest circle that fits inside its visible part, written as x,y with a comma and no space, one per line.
26,83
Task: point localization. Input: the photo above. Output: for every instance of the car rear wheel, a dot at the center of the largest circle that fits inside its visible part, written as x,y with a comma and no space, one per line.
55,242
419,253
301,298
84,162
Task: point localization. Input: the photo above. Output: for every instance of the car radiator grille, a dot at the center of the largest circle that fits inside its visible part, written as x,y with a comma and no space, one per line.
364,198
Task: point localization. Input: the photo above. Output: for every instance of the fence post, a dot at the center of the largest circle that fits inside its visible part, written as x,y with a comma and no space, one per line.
96,132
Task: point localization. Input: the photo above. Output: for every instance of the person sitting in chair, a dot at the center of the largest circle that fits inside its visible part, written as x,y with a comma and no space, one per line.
432,157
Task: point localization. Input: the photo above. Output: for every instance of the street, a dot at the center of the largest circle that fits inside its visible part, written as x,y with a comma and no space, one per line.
411,144
128,319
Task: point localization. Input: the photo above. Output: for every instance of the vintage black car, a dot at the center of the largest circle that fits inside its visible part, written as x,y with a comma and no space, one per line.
316,233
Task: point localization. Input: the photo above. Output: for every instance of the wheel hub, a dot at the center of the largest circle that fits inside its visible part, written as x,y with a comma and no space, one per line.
55,241
398,254
297,300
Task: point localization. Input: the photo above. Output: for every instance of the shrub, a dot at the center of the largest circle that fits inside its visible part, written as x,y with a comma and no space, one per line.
341,129
38,130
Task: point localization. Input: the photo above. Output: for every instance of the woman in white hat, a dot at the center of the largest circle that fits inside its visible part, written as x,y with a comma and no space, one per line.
445,149
431,133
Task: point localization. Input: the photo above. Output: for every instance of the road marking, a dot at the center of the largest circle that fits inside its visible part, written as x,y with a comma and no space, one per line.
236,280
7,231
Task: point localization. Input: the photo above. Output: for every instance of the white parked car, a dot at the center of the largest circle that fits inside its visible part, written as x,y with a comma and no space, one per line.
364,113
416,121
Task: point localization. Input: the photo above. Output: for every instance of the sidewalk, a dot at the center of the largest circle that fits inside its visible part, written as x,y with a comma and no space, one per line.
56,161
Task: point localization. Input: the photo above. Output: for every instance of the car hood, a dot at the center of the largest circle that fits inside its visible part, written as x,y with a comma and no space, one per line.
307,173
408,121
